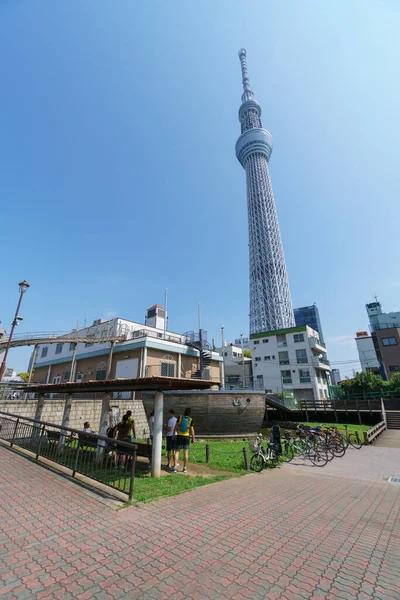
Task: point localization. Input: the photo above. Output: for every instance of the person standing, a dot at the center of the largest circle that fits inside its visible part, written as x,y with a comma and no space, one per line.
170,435
122,433
131,422
184,431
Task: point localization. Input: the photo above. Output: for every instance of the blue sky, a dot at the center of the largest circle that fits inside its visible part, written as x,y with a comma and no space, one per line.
119,176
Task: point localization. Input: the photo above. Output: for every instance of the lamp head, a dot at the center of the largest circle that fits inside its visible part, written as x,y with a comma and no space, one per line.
23,286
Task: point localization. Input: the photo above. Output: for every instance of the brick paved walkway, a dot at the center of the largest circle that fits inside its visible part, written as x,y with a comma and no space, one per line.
285,534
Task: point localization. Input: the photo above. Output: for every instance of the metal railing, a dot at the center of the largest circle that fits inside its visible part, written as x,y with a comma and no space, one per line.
94,456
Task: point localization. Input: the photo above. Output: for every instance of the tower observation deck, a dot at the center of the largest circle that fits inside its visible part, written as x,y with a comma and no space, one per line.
270,301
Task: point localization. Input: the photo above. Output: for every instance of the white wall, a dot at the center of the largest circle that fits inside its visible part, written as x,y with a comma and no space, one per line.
366,353
271,370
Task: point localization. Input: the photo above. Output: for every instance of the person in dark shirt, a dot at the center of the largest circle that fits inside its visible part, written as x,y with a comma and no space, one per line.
123,433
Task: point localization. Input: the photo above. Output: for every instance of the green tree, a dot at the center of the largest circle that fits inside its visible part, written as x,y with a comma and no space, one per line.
393,384
363,382
24,376
247,353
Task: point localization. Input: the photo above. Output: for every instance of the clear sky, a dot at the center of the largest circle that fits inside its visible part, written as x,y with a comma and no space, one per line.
118,174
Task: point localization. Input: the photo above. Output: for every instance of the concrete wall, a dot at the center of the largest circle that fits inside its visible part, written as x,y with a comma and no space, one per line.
82,410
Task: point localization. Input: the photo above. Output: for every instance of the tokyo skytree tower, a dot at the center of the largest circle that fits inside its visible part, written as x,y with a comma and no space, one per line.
270,301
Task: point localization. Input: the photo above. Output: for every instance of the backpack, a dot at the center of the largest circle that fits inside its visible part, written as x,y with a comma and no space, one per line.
184,424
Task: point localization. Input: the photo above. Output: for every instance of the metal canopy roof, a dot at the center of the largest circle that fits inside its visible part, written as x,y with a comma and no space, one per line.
121,385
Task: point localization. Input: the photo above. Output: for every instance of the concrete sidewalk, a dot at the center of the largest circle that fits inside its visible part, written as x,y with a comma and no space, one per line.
284,534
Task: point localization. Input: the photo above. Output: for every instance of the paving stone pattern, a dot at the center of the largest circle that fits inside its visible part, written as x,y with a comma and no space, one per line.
285,534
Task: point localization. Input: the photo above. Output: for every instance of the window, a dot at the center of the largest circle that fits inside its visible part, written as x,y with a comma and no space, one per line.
59,348
235,354
301,356
101,371
71,346
304,375
168,369
281,339
389,341
321,395
89,344
273,357
394,368
286,376
283,358
259,376
266,341
57,379
298,337
326,393
67,375
226,354
256,342
44,352
267,358
79,377
258,358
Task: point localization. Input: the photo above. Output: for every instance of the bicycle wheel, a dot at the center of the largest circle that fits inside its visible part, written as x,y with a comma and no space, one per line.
287,452
326,447
257,463
355,441
338,448
319,458
274,460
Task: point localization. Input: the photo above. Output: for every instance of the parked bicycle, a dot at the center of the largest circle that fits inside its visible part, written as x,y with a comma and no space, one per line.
305,447
263,456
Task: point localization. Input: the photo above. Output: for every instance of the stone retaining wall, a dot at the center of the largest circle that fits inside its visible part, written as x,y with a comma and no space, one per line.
82,410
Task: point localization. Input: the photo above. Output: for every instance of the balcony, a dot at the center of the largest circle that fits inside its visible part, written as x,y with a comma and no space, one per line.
316,344
321,363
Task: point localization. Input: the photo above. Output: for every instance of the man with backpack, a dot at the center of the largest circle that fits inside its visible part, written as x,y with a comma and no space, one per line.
184,431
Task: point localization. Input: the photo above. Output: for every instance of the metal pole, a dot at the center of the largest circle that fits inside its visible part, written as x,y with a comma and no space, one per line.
132,474
157,435
243,366
33,362
110,360
71,375
246,459
14,324
103,425
223,357
207,453
166,313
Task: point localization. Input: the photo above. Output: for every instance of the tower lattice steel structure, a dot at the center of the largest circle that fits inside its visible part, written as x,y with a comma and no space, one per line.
270,301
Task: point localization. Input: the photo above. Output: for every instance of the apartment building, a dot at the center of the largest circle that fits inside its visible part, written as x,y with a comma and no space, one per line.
292,360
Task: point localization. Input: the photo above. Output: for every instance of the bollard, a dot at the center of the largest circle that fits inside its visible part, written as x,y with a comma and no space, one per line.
246,459
207,454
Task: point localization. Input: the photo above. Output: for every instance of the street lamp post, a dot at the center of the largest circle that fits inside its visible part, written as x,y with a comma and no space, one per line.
23,287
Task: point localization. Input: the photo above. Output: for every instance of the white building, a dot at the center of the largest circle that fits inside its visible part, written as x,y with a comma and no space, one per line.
141,351
366,352
237,368
292,360
335,377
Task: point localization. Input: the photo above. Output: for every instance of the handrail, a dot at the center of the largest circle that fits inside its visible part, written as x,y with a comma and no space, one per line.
374,432
96,436
93,455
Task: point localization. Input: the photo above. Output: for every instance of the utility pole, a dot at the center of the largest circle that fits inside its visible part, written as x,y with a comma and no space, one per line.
243,364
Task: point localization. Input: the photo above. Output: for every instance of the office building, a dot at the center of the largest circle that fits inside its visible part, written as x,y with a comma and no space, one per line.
270,301
366,352
385,330
309,315
335,377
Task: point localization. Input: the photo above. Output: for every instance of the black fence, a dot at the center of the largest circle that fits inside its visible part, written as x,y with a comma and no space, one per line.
109,461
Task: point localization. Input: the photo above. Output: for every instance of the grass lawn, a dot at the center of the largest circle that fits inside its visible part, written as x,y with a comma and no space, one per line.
224,456
148,488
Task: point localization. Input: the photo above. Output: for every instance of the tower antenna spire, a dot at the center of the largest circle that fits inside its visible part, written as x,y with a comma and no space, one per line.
247,93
